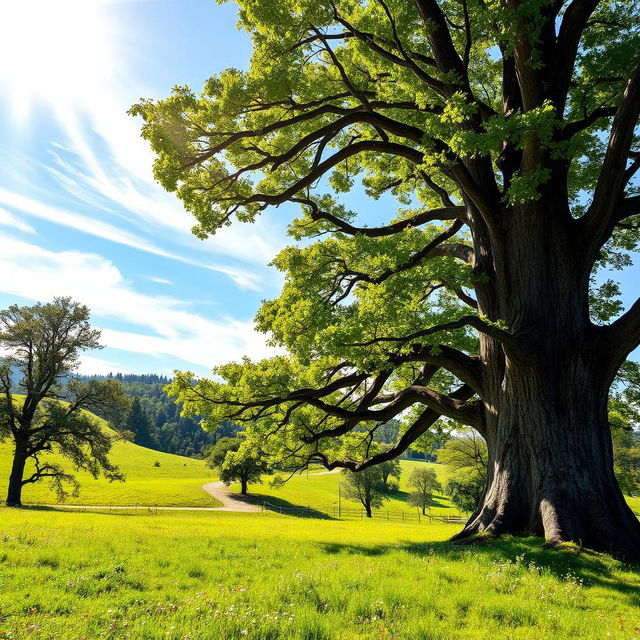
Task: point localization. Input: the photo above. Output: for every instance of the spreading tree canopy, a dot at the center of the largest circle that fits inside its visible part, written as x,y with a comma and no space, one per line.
502,137
42,345
237,462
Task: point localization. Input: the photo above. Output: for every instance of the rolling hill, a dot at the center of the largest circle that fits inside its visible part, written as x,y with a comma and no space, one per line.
177,481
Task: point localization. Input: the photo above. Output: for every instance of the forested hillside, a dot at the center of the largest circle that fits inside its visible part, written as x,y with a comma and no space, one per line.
155,419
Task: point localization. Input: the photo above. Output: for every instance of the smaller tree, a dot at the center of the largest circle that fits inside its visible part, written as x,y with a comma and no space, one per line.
424,483
466,456
237,463
626,451
366,487
390,473
465,491
42,345
139,422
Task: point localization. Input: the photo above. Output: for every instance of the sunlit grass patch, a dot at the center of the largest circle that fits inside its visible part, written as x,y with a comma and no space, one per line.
263,576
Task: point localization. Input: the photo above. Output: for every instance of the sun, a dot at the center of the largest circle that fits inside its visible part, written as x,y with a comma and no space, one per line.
51,50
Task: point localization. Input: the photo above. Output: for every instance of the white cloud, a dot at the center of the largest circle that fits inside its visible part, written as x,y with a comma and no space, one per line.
167,327
7,219
159,280
90,365
243,278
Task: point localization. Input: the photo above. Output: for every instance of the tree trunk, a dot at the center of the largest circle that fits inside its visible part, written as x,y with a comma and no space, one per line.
367,508
14,493
243,486
545,391
550,469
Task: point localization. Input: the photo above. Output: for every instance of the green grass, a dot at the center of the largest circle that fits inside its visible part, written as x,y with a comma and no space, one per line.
321,492
176,482
265,577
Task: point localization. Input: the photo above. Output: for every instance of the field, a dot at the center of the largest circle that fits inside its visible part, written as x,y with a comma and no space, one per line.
320,492
176,482
263,576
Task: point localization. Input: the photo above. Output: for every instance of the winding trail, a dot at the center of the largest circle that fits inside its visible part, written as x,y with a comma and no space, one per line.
238,502
230,501
217,489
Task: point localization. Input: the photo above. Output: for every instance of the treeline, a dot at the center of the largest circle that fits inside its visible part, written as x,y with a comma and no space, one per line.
155,420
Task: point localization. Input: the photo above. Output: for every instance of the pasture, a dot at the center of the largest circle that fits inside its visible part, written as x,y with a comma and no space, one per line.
177,481
193,576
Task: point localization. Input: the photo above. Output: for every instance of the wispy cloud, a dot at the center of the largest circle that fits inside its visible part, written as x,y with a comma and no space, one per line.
7,219
166,325
159,280
242,277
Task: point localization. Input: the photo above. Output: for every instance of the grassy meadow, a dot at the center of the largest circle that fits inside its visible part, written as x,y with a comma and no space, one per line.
319,491
213,575
176,482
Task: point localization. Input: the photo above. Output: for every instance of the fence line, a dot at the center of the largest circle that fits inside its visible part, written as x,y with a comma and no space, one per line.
299,511
346,513
350,513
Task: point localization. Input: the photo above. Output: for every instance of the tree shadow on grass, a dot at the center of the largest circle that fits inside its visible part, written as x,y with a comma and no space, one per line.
283,507
592,568
436,500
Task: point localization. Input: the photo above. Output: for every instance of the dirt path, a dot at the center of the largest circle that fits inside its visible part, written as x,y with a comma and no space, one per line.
326,473
237,502
218,490
230,501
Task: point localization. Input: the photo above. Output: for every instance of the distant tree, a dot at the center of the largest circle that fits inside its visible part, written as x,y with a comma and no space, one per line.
465,491
366,487
140,423
388,470
43,343
237,463
466,456
161,418
626,449
468,451
388,432
424,483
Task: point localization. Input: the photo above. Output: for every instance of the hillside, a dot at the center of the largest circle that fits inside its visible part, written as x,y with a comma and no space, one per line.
319,490
176,482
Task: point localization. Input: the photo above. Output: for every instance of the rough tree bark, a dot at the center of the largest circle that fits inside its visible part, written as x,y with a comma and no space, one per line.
545,397
14,492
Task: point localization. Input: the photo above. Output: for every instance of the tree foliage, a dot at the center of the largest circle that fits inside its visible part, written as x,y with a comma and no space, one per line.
366,487
237,461
466,457
43,343
139,422
424,483
502,139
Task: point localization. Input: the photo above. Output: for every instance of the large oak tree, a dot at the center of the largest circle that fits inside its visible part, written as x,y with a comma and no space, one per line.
505,134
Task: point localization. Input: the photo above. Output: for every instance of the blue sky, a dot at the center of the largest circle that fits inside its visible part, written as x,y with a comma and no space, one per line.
79,210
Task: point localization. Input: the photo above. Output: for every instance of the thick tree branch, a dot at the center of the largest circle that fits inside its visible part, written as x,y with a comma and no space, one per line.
623,335
419,427
443,213
573,24
467,321
599,221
